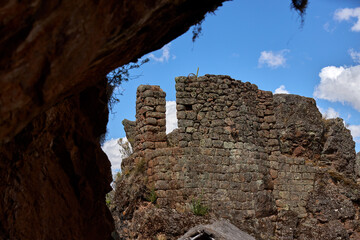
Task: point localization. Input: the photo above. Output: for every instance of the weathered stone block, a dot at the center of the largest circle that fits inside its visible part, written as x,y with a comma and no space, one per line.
228,145
185,123
150,121
148,128
183,143
160,145
270,119
186,101
161,123
160,108
148,145
190,130
150,101
151,114
205,143
181,114
273,142
191,115
265,126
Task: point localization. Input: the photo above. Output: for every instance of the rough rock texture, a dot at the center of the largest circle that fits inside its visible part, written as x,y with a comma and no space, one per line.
148,221
304,133
357,166
219,230
333,209
136,218
270,164
51,188
300,123
52,55
53,49
129,127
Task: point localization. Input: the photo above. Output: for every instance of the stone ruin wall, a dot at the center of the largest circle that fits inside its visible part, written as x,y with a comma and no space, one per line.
229,150
222,129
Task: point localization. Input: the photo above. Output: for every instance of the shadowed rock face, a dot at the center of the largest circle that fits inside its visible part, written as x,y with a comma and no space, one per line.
55,176
52,49
54,56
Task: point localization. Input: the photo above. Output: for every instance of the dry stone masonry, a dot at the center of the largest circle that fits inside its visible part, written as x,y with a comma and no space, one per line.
262,161
150,118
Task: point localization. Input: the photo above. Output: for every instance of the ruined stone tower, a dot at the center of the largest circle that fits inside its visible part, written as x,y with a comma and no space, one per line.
256,159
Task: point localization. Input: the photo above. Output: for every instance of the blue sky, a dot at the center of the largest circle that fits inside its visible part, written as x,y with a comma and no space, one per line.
261,41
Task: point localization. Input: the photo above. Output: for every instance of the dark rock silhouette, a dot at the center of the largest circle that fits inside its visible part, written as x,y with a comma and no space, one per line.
54,175
54,49
54,56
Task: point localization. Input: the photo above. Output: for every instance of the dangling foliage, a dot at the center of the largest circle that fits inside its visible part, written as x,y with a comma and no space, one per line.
117,76
300,6
197,30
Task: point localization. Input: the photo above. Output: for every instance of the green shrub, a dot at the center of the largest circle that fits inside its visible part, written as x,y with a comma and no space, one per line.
118,175
140,166
151,196
198,208
108,198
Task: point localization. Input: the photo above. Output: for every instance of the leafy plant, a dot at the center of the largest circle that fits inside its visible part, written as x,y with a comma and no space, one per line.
151,196
140,166
118,175
197,27
109,198
192,74
300,6
198,208
197,30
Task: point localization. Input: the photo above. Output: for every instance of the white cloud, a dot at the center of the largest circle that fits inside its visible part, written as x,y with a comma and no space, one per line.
340,84
114,152
328,28
281,89
348,116
329,113
346,14
354,55
355,132
165,56
171,119
273,59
